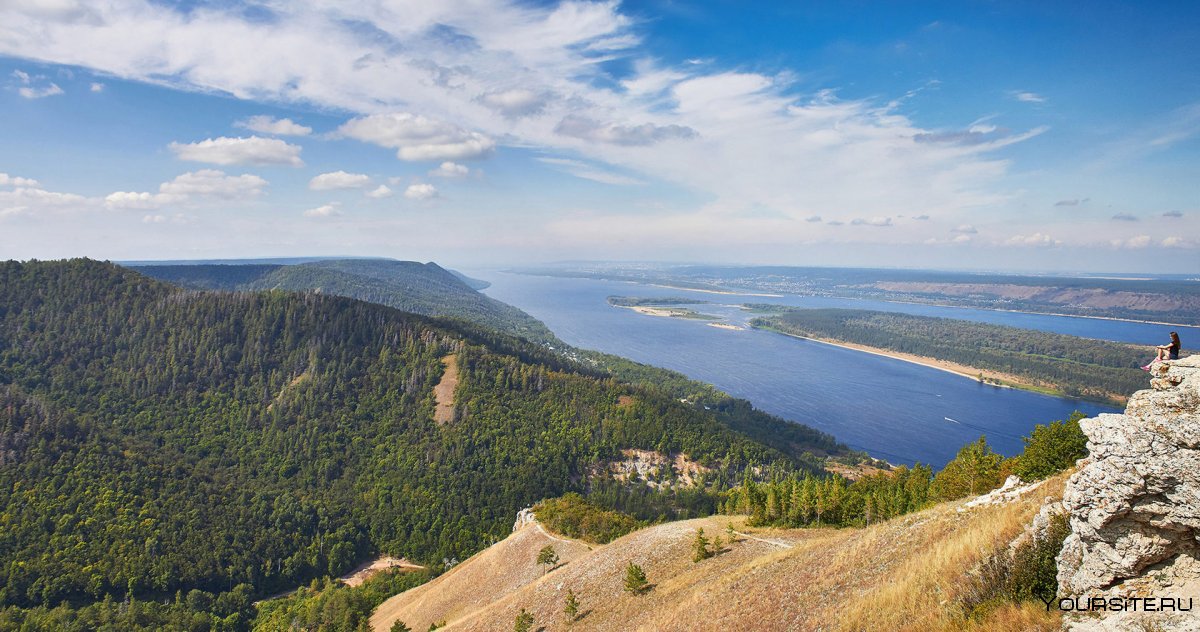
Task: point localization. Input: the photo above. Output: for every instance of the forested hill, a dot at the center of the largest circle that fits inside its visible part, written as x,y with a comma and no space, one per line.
420,288
157,442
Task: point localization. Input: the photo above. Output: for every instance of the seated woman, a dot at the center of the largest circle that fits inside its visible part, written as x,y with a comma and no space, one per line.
1166,352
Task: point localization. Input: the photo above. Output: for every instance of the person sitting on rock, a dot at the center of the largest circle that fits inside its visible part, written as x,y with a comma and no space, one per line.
1166,352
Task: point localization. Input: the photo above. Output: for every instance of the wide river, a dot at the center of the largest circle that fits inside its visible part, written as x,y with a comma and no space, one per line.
893,409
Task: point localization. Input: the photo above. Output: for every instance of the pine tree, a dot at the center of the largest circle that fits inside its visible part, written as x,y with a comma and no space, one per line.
635,579
400,627
729,531
548,557
700,550
524,622
571,606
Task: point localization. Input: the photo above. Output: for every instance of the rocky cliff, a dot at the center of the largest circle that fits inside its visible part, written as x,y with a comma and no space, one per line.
1135,512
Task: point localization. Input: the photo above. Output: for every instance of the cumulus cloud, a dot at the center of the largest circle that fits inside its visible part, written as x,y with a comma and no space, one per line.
239,151
514,103
1036,240
416,137
965,229
28,200
96,87
1178,242
339,180
874,221
16,181
420,192
379,192
333,209
1125,217
961,239
190,186
644,134
35,87
450,170
277,127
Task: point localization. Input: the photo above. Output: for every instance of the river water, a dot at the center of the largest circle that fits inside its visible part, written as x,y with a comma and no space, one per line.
893,409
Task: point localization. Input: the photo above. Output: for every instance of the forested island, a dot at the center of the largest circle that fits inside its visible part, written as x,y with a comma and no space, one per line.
1047,362
666,307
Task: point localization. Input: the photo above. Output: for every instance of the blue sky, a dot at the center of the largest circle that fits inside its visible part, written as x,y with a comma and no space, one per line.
984,135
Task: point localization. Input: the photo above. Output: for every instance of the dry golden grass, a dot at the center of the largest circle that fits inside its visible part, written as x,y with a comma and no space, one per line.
910,573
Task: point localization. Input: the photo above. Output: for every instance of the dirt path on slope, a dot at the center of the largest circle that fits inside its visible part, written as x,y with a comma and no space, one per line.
444,391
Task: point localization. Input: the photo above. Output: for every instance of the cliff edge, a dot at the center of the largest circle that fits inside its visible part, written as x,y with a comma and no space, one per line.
1134,511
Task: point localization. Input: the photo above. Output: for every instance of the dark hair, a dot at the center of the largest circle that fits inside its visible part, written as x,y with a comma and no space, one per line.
1175,338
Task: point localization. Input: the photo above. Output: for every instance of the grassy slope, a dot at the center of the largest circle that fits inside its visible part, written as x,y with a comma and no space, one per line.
906,574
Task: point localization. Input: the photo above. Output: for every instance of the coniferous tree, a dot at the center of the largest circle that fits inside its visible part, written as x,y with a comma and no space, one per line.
571,606
547,557
524,621
635,579
700,550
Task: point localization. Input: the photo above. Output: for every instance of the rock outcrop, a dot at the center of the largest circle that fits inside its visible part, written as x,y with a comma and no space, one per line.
1135,508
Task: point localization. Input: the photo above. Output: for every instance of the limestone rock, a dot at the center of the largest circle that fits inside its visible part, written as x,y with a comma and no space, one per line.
1135,504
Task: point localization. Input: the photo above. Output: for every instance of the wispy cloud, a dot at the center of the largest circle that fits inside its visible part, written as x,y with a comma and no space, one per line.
581,169
1027,97
35,87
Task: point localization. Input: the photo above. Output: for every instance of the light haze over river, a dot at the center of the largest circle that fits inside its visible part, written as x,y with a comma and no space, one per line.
893,409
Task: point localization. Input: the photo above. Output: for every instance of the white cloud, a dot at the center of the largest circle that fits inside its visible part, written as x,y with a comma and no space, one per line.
514,103
874,221
1179,242
277,127
450,170
1133,243
339,180
416,137
326,210
961,239
96,87
27,200
131,199
214,183
421,192
16,181
239,151
380,192
1028,97
965,229
35,87
645,134
1036,240
921,218
190,186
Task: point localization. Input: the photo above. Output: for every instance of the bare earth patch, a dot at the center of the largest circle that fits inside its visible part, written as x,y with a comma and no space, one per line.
370,569
444,391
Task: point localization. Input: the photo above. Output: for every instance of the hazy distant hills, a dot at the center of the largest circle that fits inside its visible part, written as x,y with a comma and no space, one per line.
420,288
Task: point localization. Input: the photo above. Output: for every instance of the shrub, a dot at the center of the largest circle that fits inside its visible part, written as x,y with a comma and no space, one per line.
1052,449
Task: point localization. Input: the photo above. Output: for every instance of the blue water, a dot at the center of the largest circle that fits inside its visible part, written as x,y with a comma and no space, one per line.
894,410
